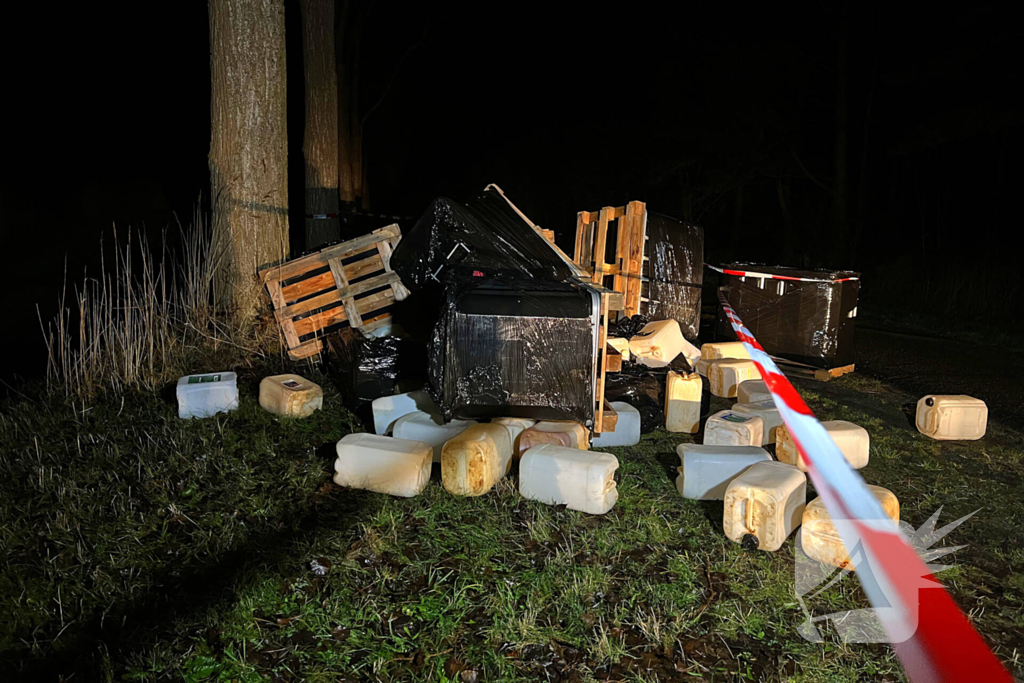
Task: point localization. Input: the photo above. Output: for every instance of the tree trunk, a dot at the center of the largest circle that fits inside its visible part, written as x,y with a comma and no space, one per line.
842,143
320,143
862,185
248,146
788,231
355,117
342,51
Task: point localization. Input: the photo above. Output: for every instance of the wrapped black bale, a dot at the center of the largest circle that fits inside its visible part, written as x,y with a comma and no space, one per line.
518,333
517,349
674,272
807,316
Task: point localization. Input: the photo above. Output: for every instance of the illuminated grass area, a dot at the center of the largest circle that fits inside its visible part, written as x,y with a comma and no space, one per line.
136,545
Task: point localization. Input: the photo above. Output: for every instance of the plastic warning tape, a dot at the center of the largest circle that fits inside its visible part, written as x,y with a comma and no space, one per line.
932,637
755,274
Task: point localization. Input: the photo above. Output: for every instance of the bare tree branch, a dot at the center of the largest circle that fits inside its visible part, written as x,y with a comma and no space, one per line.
809,176
398,68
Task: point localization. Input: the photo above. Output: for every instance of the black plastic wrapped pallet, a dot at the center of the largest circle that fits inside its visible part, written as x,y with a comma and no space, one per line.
483,236
674,271
807,322
506,347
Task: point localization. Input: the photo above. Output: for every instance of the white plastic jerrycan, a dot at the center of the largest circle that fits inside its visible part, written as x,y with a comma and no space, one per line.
384,464
659,342
627,428
770,418
387,409
725,375
516,426
753,391
208,394
713,350
729,428
764,504
474,461
952,417
290,395
429,428
580,480
557,432
682,402
819,538
853,440
706,471
700,366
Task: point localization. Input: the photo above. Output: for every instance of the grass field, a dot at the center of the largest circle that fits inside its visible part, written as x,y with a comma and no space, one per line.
136,546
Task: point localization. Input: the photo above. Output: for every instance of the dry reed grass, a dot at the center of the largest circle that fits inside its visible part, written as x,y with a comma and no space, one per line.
147,318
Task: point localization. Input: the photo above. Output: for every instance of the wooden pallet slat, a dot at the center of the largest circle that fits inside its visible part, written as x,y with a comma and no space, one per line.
604,417
633,263
601,244
344,292
304,264
384,248
354,272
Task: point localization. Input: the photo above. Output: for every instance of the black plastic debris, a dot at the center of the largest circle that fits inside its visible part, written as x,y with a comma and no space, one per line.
808,322
674,272
644,389
363,367
484,237
627,327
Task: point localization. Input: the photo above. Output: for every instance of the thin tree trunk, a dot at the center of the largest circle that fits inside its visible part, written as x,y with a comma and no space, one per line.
248,145
862,184
320,143
842,143
788,233
737,223
355,116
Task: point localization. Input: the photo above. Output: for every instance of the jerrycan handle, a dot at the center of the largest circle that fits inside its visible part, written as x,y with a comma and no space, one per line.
748,512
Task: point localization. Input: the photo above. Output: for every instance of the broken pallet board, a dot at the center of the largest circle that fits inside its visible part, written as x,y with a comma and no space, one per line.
626,269
802,371
348,283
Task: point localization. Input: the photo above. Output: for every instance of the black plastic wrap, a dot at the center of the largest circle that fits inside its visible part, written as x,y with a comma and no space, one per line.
808,322
627,327
674,272
484,235
516,349
363,367
644,389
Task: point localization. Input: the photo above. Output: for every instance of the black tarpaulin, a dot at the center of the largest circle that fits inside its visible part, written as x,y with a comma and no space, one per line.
808,322
674,272
484,235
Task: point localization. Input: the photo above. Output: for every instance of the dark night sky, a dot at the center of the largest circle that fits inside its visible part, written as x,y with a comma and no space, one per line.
704,113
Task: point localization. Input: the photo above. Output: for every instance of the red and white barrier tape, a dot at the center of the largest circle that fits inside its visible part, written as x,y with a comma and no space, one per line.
932,637
755,274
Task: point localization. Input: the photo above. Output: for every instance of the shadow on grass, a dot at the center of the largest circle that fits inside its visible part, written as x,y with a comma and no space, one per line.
131,626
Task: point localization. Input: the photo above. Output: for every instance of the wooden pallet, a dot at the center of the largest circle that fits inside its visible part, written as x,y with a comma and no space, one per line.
626,270
351,282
